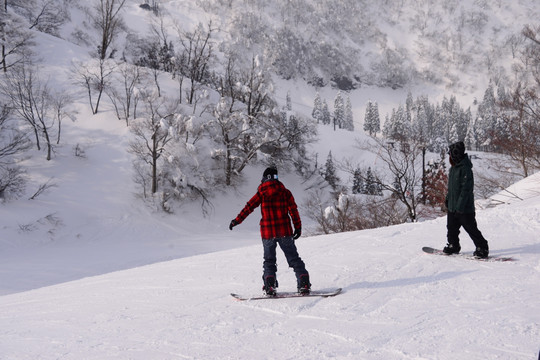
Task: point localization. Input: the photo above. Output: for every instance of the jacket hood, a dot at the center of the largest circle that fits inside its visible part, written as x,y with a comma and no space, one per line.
465,161
269,188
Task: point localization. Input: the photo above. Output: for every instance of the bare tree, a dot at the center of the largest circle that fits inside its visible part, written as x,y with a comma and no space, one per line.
94,76
106,18
353,212
44,15
12,142
196,54
61,102
519,138
520,111
404,177
125,99
32,101
12,182
151,136
15,40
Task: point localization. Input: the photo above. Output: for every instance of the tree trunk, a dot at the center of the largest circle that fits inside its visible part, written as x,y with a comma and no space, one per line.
154,164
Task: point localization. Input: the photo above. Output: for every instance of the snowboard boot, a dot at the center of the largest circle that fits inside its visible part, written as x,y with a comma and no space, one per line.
304,287
270,285
452,249
481,253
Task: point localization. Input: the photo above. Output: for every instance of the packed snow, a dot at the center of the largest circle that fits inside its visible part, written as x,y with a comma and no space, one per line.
397,303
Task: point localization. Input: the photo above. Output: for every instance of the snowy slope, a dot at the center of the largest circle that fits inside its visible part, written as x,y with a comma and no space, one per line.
398,303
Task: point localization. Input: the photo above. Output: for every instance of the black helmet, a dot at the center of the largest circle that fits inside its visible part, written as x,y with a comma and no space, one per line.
270,173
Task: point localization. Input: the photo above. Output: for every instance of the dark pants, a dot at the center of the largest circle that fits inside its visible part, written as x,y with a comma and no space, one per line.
291,254
455,221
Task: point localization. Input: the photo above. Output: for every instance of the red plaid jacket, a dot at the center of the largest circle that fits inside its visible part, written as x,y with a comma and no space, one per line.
277,209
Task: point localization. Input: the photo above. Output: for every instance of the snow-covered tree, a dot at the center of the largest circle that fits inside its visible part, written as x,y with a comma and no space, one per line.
330,173
398,127
326,116
471,139
487,116
339,111
248,126
288,101
372,122
317,112
358,182
348,120
372,186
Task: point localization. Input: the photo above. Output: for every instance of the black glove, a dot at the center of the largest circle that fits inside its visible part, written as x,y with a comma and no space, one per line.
232,224
297,233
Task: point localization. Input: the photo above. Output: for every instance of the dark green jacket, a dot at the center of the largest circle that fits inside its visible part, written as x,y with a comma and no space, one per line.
460,197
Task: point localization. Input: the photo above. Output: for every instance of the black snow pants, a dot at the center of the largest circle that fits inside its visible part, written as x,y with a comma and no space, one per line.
456,220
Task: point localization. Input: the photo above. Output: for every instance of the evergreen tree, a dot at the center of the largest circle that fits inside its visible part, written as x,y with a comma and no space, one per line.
375,118
358,182
501,93
387,127
372,122
486,122
348,123
446,119
452,134
289,101
409,108
439,125
317,112
372,187
398,127
420,128
330,172
339,111
471,138
326,116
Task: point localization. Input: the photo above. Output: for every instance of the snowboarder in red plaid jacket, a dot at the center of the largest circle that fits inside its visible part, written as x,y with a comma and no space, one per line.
278,208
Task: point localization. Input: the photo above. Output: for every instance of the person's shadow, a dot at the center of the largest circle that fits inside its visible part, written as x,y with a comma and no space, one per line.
407,281
527,249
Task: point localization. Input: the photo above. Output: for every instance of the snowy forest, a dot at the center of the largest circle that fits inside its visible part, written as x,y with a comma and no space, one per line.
201,102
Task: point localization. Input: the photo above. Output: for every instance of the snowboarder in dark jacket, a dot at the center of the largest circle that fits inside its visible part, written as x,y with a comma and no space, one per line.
460,203
278,208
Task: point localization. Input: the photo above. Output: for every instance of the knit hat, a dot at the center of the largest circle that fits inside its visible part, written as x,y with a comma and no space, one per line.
270,173
457,151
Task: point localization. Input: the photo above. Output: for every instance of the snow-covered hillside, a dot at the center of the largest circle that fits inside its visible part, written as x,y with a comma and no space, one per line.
398,303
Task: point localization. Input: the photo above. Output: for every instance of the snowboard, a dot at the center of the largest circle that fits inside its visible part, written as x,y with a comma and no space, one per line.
433,251
289,294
